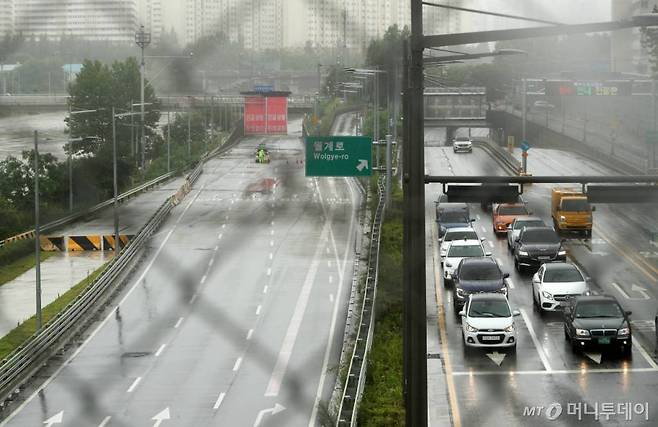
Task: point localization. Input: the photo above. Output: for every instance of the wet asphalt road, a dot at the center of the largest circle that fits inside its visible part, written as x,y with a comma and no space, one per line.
238,308
544,372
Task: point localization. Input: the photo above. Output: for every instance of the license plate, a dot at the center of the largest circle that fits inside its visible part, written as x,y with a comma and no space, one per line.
604,340
543,258
490,338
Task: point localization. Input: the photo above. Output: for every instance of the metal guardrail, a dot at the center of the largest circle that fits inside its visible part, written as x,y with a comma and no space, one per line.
80,214
355,380
24,362
503,157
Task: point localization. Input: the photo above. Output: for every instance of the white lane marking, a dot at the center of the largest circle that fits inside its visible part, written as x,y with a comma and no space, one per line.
540,349
329,263
331,298
219,400
219,236
331,279
249,334
271,242
272,223
109,316
281,365
203,279
180,320
223,225
193,299
216,248
265,289
334,316
160,350
271,232
484,230
105,421
271,255
258,309
555,372
134,385
269,271
237,364
491,244
211,262
644,354
620,290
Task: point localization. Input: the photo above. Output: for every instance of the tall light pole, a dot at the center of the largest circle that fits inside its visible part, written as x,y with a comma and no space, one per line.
143,39
37,232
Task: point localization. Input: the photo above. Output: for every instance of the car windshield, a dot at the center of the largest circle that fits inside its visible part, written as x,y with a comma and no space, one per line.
460,235
465,251
512,210
453,216
575,205
534,223
570,274
462,138
489,308
598,309
540,236
488,271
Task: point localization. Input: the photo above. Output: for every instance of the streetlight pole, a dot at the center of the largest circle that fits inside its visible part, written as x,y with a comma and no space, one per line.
70,156
37,232
168,143
189,133
117,240
142,39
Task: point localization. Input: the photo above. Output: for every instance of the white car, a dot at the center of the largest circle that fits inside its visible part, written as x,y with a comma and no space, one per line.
517,225
488,321
554,283
457,251
463,144
456,233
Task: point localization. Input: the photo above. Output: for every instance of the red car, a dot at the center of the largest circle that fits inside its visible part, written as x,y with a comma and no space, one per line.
504,214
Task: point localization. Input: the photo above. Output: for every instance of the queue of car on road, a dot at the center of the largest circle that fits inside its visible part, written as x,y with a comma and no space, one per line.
481,290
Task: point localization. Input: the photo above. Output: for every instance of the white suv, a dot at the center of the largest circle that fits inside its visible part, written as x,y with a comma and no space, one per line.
456,252
488,321
456,233
554,283
462,144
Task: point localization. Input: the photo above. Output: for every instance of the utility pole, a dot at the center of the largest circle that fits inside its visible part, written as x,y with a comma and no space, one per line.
70,159
524,107
375,119
189,133
142,39
168,143
415,322
389,168
117,240
37,232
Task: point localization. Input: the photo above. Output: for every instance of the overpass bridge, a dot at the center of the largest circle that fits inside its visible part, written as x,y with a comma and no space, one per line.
299,103
456,107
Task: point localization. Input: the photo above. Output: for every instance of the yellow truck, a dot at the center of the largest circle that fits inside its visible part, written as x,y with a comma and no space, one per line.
571,210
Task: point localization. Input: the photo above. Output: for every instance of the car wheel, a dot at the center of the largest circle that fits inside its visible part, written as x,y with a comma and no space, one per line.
517,265
512,349
626,351
566,334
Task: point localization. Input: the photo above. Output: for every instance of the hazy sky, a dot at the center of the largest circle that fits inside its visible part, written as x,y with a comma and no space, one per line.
568,11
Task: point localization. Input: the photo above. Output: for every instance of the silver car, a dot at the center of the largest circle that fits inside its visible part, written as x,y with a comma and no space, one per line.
457,251
456,233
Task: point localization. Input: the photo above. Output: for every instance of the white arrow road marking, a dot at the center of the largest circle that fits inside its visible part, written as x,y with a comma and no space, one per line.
595,357
635,288
496,357
363,164
273,411
641,290
55,419
161,416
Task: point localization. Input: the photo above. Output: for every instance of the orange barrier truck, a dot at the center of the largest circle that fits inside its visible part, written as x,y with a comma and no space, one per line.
571,210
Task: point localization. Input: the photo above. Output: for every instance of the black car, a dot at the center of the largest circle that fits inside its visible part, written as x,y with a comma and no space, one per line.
597,321
537,245
475,275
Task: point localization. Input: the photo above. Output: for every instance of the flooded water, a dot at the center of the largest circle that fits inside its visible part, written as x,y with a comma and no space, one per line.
17,134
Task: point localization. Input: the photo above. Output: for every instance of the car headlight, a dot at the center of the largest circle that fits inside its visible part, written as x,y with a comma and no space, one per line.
623,331
504,290
562,253
546,295
471,329
563,218
523,253
461,293
510,328
582,332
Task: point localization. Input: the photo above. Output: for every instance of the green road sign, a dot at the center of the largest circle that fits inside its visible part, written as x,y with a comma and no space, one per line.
338,155
651,137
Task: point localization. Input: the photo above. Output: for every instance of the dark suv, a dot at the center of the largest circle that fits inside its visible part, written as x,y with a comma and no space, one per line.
475,275
597,321
537,245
